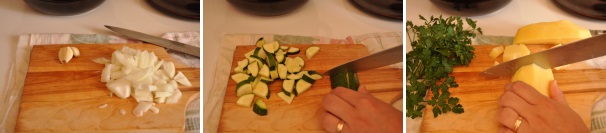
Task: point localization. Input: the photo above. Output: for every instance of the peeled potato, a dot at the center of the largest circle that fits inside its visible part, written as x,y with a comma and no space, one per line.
496,51
536,76
515,51
557,32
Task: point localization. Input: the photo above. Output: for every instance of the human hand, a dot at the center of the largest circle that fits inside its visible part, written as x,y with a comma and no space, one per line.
359,112
540,114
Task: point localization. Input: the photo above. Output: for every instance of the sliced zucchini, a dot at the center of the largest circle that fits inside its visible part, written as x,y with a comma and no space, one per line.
271,47
259,60
260,108
303,84
245,100
287,98
288,85
272,63
300,61
239,77
249,53
266,80
296,69
253,69
284,47
282,71
243,63
280,57
311,51
243,87
316,76
261,90
259,52
294,76
237,69
288,63
260,42
255,81
274,74
347,79
293,50
264,71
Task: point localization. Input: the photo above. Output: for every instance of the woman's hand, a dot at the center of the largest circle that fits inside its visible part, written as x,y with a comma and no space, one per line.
540,114
359,112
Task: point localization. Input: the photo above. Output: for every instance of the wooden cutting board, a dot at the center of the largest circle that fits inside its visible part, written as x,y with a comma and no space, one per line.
66,97
305,112
479,95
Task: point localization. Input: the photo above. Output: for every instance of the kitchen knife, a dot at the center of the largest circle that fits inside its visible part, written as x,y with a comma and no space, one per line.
177,46
566,54
379,59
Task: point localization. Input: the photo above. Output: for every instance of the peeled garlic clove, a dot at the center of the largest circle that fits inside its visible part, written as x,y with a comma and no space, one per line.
65,54
76,51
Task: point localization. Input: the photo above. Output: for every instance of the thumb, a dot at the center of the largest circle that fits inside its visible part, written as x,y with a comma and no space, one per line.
362,89
555,93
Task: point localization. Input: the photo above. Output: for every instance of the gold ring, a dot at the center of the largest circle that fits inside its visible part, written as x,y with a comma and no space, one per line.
340,127
516,125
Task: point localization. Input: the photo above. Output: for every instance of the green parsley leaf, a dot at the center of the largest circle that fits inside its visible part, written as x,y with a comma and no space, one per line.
439,45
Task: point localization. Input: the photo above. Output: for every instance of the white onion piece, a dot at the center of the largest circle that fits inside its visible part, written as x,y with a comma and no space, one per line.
103,106
141,108
159,94
165,88
158,65
160,75
174,84
174,98
106,73
152,60
182,79
120,87
143,95
160,100
117,75
139,75
102,60
155,109
143,59
128,50
169,69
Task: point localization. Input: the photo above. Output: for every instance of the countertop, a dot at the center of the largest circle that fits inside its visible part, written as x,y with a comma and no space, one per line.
326,18
19,18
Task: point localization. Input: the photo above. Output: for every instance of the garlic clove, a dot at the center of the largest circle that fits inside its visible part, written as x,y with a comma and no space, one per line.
65,54
76,51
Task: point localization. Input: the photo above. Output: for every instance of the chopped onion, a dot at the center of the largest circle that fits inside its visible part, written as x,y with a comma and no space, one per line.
102,60
169,69
141,108
140,74
103,106
105,73
182,79
175,97
155,109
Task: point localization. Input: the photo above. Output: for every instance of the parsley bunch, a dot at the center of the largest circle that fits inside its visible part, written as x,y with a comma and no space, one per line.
438,46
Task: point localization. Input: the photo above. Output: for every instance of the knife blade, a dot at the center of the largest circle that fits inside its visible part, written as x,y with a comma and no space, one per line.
566,54
169,44
379,59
